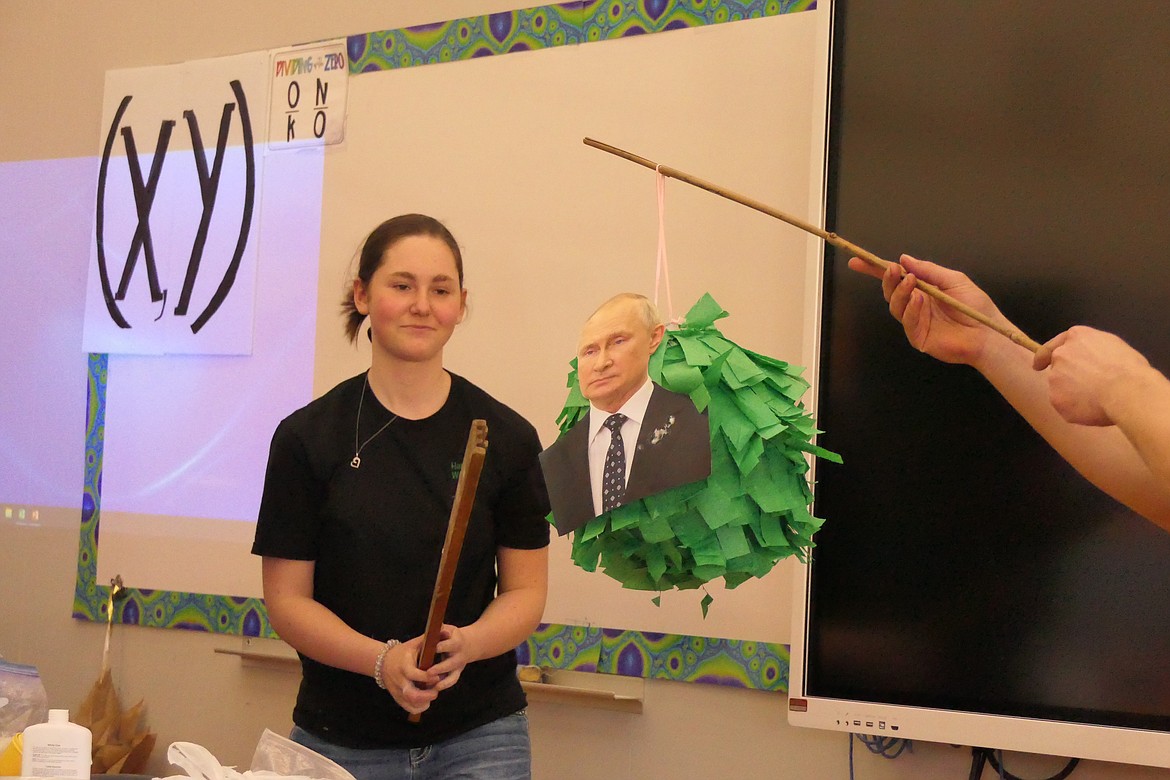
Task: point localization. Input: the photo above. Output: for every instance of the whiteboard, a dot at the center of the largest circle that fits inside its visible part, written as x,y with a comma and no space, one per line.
550,228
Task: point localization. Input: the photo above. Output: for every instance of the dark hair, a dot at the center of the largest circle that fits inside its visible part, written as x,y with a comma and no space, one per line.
374,249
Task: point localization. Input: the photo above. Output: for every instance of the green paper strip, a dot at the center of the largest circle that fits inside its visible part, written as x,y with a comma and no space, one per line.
695,352
704,313
733,541
681,378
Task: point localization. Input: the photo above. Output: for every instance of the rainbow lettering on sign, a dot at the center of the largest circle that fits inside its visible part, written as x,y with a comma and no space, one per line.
299,65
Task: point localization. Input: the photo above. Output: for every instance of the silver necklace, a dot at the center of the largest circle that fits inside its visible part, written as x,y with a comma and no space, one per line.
357,460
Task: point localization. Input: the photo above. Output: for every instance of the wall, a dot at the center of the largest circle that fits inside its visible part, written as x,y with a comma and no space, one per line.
194,694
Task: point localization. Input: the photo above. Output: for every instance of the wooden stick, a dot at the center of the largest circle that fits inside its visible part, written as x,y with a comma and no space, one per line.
473,457
832,238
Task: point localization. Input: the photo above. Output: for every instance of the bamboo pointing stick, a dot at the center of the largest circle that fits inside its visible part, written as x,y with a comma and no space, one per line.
832,238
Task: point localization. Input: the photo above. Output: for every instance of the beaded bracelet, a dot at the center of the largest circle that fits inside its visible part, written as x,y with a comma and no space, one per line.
382,657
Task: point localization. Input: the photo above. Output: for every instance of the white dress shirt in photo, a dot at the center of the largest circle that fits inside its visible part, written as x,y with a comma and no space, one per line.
599,436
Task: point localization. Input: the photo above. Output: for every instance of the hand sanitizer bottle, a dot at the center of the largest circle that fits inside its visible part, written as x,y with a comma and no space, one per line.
57,748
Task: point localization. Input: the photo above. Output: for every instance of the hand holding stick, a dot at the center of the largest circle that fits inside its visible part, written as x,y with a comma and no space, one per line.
832,238
473,458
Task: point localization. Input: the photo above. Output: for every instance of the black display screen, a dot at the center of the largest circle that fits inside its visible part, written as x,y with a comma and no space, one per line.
963,565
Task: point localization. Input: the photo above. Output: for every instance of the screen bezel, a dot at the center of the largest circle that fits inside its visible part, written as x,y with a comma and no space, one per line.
984,729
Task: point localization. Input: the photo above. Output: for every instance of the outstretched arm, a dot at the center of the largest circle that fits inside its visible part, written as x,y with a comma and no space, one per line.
1095,378
1106,456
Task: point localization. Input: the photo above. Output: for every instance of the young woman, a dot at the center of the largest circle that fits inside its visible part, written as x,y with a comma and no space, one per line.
356,500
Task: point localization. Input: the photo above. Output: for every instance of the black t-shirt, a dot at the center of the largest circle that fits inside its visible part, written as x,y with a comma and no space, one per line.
376,535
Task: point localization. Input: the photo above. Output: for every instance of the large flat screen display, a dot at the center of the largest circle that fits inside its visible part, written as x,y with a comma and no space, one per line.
968,585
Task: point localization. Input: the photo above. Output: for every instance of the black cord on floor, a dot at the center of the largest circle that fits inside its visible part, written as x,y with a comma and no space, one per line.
982,756
978,760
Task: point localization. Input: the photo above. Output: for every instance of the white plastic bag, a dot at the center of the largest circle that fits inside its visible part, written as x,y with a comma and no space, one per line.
280,755
275,757
23,701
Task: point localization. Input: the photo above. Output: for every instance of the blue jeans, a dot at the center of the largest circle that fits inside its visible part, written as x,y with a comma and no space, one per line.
499,750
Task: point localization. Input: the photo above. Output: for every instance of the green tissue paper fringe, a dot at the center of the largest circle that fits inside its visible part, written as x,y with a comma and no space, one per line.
754,508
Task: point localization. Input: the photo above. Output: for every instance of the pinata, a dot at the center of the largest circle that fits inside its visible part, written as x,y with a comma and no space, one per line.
753,510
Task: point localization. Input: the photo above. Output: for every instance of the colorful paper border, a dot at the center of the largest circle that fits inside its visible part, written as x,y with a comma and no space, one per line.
547,27
738,663
732,662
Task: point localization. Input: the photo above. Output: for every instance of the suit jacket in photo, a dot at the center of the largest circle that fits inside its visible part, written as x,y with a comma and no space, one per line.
669,452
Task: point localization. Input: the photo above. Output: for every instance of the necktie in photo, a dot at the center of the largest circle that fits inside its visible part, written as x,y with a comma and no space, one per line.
613,485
